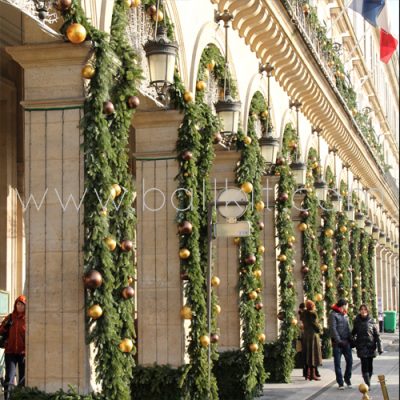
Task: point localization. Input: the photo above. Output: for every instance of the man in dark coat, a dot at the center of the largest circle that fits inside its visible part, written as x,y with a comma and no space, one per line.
340,333
367,342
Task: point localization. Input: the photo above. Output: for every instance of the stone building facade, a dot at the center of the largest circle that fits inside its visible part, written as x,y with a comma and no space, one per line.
41,160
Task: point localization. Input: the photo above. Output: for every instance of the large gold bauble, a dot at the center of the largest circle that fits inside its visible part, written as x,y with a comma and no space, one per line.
257,273
136,3
264,114
186,312
76,33
247,187
282,258
363,388
188,96
262,337
113,193
302,226
217,309
253,347
95,311
88,71
323,268
318,297
128,3
110,243
343,229
201,85
158,16
291,239
215,281
184,254
329,284
260,206
247,139
236,240
260,249
205,341
293,321
329,232
253,295
126,345
211,65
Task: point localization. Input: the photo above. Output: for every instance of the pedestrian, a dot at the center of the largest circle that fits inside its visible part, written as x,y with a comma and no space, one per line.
380,320
367,341
14,326
311,342
340,333
299,341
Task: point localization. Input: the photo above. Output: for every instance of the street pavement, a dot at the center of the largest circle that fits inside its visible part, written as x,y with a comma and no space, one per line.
327,389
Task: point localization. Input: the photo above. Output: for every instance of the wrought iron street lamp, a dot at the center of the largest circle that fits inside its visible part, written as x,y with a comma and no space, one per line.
359,217
227,109
336,198
299,169
161,56
368,226
375,232
349,209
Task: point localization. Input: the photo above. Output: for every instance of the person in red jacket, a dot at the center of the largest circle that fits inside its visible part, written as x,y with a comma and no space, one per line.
14,350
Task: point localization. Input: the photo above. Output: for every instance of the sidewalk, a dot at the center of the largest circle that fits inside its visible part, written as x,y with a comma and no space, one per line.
326,389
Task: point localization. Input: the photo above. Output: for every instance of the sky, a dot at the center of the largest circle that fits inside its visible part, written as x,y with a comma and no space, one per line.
394,15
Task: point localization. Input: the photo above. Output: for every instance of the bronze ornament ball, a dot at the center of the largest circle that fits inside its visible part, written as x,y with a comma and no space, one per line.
185,228
133,102
259,306
187,155
250,259
126,245
93,279
128,292
214,338
108,108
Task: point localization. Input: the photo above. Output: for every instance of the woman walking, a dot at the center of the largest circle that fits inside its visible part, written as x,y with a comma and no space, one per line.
311,342
367,341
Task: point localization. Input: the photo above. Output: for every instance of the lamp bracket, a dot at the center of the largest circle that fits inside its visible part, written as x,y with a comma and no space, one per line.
226,16
268,68
295,103
333,150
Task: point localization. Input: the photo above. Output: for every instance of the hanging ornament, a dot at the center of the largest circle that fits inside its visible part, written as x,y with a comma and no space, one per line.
217,309
304,213
247,140
128,292
126,245
261,225
108,108
76,33
110,243
136,3
302,227
201,85
280,161
253,347
282,258
306,9
215,281
185,228
305,270
343,229
329,232
131,279
95,312
214,338
289,285
186,312
323,268
259,306
257,273
152,10
62,5
92,279
338,269
329,284
126,345
188,97
250,259
262,337
291,239
260,249
211,65
88,71
318,297
204,341
246,187
187,155
133,102
128,3
184,254
260,206
355,286
293,322
283,197
252,295
340,276
158,16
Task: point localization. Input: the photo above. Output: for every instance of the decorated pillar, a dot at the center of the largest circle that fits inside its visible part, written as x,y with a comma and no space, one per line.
53,97
379,277
385,280
270,264
160,334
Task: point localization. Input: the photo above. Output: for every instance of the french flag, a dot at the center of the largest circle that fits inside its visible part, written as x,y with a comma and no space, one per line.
377,14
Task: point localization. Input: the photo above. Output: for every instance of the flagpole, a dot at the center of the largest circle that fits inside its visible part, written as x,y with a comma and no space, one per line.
339,16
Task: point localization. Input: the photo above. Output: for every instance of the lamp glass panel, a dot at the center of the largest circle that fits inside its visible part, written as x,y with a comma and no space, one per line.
337,205
269,152
350,214
169,76
321,193
230,121
299,176
157,67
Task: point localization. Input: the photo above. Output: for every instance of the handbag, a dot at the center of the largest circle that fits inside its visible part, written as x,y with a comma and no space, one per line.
4,336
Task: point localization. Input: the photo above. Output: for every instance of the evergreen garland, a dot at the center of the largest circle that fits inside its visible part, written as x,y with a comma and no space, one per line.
343,255
372,265
285,232
366,270
106,172
355,265
250,170
312,279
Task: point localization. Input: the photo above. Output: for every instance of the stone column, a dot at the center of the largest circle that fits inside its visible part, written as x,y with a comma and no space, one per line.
226,262
160,333
271,297
53,94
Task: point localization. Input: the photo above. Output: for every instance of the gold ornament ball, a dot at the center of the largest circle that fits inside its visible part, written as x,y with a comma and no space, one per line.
302,227
261,249
217,309
253,347
291,239
95,312
215,281
257,273
247,187
363,388
355,286
329,233
236,240
205,340
188,97
343,229
103,212
247,140
128,3
282,257
88,71
184,254
76,33
211,65
260,206
264,114
338,269
262,337
117,189
113,193
354,111
186,312
200,86
253,295
323,268
340,276
126,345
136,3
329,284
110,243
306,9
158,16
293,321
318,297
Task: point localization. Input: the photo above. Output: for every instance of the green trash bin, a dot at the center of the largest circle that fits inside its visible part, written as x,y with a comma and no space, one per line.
389,322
